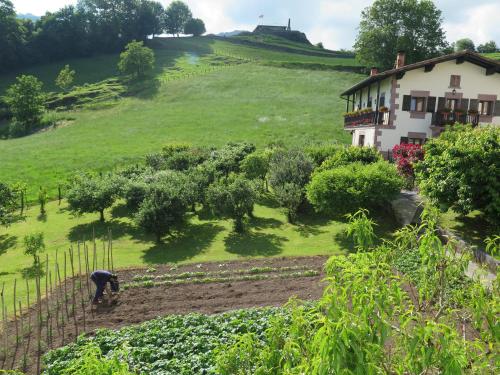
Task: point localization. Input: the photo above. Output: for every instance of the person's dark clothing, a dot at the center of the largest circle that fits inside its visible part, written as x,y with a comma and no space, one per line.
100,279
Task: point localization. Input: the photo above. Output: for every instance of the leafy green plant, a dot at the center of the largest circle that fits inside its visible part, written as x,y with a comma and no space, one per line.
136,60
360,228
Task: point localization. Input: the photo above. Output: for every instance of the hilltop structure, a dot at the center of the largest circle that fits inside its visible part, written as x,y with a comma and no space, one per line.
415,102
282,31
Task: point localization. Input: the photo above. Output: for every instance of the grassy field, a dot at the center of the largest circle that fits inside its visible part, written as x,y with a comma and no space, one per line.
191,100
494,56
202,239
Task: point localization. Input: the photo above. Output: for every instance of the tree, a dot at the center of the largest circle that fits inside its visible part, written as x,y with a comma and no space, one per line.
65,78
42,199
176,17
233,198
11,36
136,60
8,204
90,193
488,47
320,45
195,27
33,246
460,170
289,172
256,165
464,44
388,26
26,101
164,206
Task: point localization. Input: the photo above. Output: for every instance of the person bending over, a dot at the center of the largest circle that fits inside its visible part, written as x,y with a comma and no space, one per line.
100,279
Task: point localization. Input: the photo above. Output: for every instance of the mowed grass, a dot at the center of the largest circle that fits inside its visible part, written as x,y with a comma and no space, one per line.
246,102
202,239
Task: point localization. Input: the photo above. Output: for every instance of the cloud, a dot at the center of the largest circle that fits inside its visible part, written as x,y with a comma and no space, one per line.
333,22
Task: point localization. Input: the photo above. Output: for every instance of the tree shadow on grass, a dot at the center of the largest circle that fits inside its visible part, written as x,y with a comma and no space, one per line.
188,242
264,222
121,210
85,232
6,242
254,244
473,229
267,200
311,224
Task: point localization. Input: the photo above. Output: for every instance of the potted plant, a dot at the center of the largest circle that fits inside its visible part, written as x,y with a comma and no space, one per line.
383,109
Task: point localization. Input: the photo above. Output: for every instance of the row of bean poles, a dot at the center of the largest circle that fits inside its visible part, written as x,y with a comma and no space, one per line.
62,288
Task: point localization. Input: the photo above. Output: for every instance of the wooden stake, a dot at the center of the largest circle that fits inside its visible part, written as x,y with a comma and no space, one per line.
62,313
57,315
4,320
39,331
71,259
111,243
24,347
94,259
49,333
65,288
81,288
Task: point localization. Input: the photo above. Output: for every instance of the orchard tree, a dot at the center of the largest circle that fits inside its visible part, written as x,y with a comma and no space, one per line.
464,44
65,78
256,165
176,17
33,246
136,60
164,206
195,27
388,26
233,198
26,101
488,47
289,172
8,203
42,199
91,193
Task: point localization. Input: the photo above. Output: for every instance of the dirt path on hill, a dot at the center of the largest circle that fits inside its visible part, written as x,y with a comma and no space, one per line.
281,279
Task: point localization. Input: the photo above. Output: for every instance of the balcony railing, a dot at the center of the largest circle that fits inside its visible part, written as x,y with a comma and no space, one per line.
450,118
370,118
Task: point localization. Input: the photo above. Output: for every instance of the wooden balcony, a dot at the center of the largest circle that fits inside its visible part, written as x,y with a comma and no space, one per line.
450,118
366,119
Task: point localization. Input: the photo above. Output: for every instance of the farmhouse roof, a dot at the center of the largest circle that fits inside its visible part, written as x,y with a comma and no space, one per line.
491,66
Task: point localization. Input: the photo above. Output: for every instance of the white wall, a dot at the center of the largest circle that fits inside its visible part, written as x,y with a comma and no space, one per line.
474,81
369,134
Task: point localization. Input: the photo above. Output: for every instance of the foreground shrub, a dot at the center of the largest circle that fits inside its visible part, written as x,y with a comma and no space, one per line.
354,186
319,153
8,204
289,172
461,170
351,154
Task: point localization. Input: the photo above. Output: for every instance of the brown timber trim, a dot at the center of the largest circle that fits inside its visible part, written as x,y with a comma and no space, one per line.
394,95
449,95
420,93
417,135
487,97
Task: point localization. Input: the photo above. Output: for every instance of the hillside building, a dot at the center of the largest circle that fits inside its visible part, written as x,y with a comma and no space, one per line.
415,102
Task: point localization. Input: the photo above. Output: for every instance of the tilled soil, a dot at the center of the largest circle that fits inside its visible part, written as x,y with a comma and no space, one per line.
136,305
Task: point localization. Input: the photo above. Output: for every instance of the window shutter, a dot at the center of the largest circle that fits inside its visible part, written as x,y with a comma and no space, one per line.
382,100
406,102
496,110
403,140
464,104
455,81
441,103
474,104
431,104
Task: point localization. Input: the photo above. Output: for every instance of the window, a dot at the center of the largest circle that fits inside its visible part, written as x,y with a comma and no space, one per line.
417,104
452,104
382,100
369,104
485,108
361,140
455,81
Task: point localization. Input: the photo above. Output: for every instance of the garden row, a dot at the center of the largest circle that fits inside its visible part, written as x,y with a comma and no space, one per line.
424,318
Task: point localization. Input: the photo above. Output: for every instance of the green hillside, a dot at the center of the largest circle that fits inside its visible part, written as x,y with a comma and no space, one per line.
204,92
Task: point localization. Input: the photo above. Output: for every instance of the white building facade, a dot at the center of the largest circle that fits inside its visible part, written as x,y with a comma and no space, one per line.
412,103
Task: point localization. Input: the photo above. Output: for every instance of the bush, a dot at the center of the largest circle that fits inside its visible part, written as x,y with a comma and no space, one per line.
461,170
289,172
8,204
228,158
256,165
195,27
406,157
354,186
319,153
351,154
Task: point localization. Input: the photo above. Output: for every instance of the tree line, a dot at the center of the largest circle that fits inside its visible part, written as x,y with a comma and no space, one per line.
90,27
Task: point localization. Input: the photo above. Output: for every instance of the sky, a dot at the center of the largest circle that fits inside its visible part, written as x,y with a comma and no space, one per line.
332,22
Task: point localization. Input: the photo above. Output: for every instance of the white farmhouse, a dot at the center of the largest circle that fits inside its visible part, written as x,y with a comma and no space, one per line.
411,103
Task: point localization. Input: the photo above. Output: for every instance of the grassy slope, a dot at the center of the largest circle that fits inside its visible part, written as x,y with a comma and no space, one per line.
194,102
247,102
